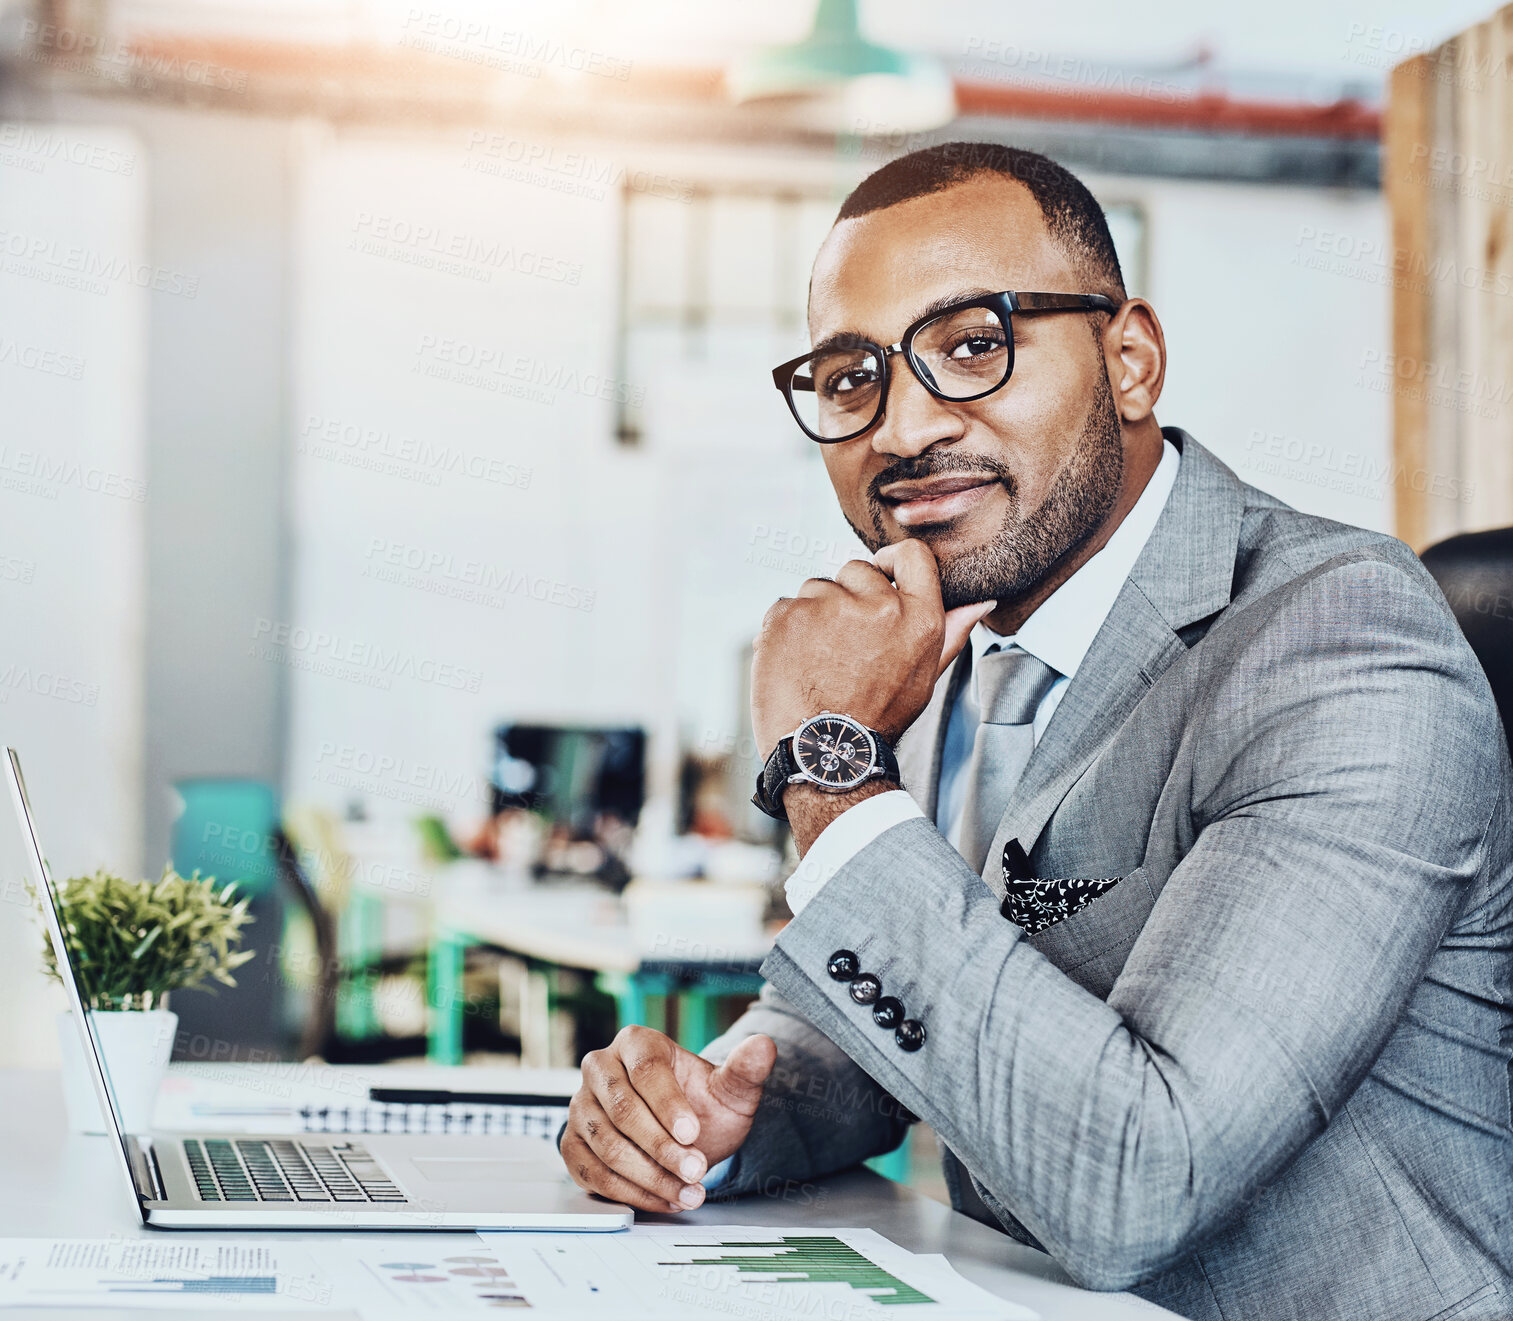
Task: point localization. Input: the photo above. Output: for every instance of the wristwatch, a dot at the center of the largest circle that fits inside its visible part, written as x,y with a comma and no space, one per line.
835,753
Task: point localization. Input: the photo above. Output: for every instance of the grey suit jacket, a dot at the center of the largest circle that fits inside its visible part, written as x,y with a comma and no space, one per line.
1267,1073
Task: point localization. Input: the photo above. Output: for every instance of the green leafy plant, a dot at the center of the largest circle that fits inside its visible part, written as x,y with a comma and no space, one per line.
132,942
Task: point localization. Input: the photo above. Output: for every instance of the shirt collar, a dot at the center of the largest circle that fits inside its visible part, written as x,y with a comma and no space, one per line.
1062,629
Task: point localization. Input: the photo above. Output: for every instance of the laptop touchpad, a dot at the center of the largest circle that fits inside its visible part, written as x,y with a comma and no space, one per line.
472,1169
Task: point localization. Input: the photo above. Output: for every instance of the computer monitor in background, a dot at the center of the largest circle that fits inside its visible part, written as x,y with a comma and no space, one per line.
575,777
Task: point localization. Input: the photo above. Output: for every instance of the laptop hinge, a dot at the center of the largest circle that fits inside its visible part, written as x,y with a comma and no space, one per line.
144,1170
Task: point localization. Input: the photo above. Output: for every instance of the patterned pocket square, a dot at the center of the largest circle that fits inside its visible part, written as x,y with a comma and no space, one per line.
1035,902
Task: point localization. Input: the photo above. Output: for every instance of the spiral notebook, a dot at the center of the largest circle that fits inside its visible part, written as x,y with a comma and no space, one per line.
461,1118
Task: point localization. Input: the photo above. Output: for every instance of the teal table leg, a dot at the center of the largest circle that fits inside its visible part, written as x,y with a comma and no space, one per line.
444,993
362,945
894,1164
626,991
697,1018
656,1002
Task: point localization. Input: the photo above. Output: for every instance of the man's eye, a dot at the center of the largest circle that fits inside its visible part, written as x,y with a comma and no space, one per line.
974,346
856,379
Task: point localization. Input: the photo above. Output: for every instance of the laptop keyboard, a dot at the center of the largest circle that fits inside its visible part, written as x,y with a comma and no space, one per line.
285,1170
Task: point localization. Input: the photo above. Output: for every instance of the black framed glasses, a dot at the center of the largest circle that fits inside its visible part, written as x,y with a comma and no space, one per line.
839,389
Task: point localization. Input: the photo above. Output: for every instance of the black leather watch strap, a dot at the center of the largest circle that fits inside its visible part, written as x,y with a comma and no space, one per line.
773,778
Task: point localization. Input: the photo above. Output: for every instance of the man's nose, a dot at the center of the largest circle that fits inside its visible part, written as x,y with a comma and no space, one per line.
913,419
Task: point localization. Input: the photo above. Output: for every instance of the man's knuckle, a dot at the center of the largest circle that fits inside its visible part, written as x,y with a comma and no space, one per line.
612,1148
643,1067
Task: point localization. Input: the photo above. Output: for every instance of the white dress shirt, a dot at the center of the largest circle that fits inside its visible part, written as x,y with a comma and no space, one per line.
1060,632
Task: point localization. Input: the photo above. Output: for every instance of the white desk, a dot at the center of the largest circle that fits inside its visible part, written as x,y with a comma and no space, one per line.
57,1184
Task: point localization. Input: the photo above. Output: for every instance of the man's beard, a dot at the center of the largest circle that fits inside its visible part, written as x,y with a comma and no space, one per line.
1023,551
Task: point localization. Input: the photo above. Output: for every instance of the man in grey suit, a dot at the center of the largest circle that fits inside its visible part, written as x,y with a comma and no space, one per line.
1192,936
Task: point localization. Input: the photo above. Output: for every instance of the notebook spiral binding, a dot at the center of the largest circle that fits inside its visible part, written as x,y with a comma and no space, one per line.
462,1120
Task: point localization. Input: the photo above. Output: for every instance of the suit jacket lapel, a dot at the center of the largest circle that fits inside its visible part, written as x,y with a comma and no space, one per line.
1183,574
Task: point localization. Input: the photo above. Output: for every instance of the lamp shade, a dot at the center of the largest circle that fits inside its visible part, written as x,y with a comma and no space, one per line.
836,81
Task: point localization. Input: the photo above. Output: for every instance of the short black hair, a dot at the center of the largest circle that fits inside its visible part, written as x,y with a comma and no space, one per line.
1071,212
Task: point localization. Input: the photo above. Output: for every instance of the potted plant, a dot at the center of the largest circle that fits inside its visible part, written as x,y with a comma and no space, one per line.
132,943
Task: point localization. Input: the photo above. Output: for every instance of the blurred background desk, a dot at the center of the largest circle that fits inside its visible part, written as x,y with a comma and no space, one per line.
659,947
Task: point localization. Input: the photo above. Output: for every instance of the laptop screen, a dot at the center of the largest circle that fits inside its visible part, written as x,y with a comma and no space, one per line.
21,854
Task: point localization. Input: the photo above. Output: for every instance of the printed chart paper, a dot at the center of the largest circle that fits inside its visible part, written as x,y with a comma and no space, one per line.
195,1273
745,1272
405,1276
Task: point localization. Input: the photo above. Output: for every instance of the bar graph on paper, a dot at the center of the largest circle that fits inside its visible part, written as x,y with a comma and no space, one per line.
813,1258
198,1275
670,1272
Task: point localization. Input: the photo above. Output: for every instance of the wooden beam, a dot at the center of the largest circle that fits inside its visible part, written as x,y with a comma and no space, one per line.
1405,175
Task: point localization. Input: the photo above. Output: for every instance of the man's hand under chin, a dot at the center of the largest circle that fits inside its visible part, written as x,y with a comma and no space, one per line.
869,644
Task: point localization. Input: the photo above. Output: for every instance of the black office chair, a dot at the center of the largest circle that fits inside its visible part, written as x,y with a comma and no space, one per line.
1475,572
319,1036
320,1027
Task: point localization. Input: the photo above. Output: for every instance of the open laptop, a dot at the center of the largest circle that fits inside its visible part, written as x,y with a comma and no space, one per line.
315,1181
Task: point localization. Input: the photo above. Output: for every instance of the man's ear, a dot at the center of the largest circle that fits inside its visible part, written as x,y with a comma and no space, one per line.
1134,348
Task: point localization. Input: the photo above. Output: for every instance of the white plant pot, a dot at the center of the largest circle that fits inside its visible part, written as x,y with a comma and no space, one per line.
136,1044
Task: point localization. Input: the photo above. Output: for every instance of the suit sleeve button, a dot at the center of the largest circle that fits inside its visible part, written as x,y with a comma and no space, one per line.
843,965
866,988
910,1034
888,1012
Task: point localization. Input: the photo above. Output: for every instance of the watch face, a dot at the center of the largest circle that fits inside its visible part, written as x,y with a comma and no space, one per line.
834,751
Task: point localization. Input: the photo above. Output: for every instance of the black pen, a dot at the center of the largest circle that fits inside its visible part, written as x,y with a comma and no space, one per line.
440,1096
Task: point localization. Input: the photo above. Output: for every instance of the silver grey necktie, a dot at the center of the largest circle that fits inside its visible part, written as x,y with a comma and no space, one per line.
1010,686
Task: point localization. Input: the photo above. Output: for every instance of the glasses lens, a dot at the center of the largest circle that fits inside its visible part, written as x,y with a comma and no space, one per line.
837,393
964,353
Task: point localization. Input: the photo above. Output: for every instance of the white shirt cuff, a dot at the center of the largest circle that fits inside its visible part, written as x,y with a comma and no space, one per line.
844,838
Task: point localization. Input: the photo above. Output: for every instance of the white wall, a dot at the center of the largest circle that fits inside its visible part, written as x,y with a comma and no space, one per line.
75,280
540,499
217,456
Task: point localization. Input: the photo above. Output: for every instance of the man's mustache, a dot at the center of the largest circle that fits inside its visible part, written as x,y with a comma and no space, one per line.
921,466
